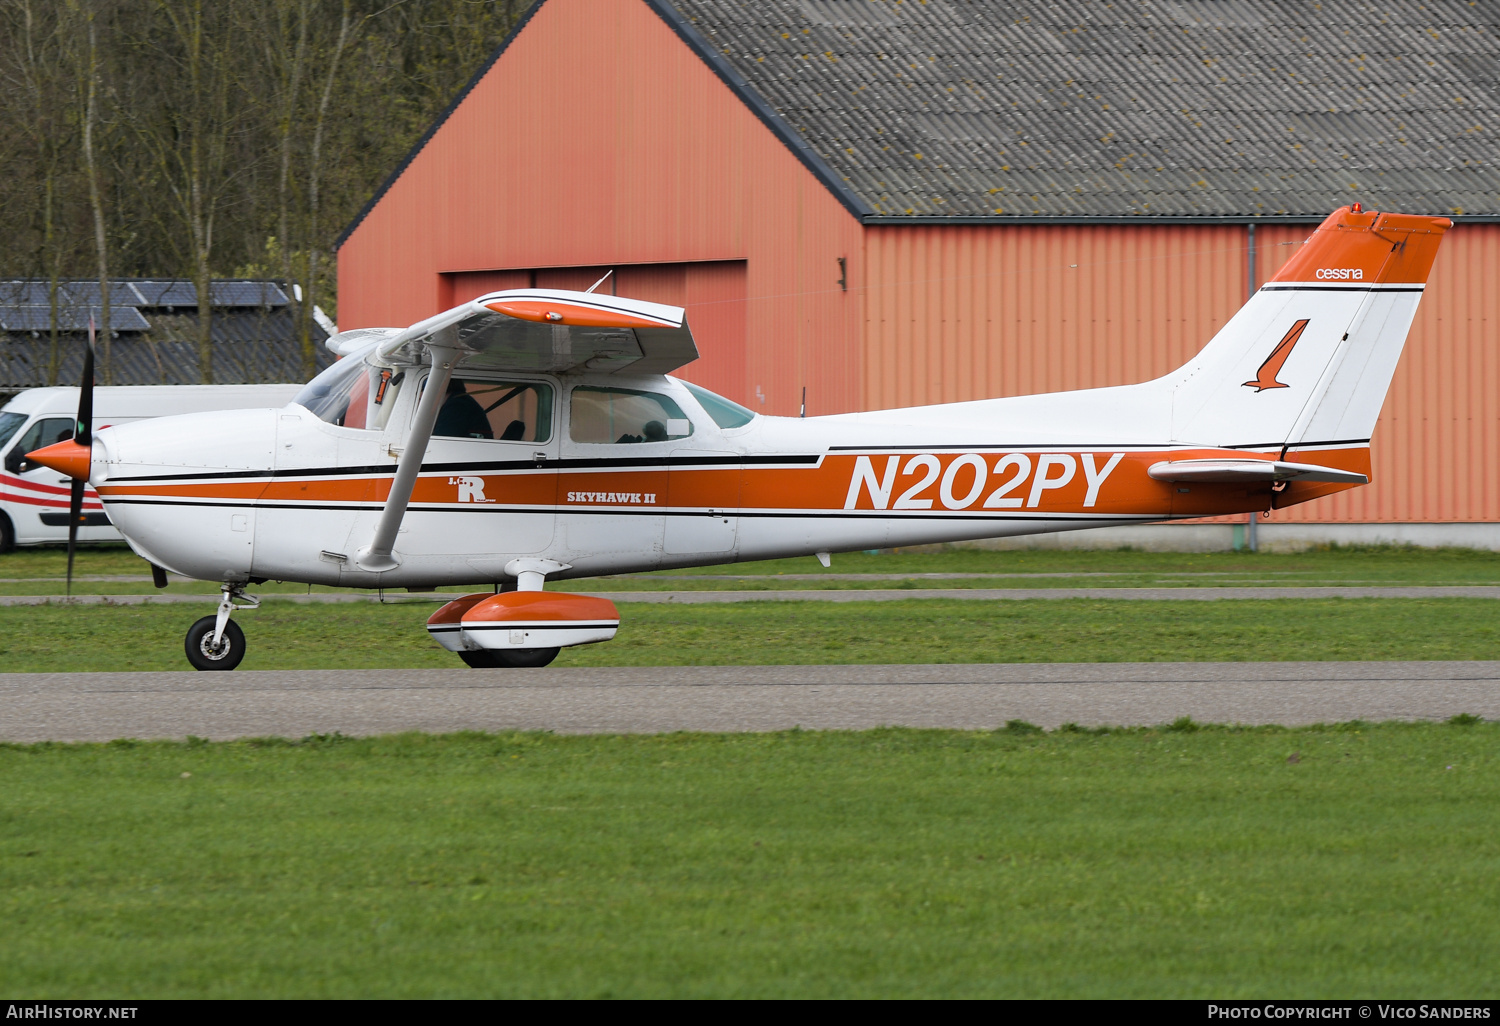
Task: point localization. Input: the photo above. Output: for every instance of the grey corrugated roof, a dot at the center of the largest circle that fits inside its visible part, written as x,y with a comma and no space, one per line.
253,328
1148,108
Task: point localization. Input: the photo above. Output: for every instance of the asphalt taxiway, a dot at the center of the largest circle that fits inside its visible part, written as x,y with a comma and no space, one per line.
1168,594
105,706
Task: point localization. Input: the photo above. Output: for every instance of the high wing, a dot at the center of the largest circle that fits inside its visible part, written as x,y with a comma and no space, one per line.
541,330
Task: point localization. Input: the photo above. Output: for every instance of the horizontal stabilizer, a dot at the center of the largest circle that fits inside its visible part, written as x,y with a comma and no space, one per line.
1248,472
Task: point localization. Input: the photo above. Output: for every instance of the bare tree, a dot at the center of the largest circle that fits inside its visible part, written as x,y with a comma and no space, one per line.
201,138
36,73
287,57
89,73
314,181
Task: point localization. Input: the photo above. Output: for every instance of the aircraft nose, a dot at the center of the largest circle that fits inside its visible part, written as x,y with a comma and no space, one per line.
66,457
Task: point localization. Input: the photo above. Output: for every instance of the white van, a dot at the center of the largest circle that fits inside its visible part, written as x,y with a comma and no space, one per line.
34,499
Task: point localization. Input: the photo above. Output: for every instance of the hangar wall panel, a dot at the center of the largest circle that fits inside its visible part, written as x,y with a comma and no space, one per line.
629,152
1437,442
956,313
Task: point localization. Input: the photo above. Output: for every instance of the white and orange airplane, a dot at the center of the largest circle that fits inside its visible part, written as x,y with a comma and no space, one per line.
537,434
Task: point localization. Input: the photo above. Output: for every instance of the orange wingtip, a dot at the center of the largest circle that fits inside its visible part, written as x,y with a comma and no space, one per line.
549,312
66,457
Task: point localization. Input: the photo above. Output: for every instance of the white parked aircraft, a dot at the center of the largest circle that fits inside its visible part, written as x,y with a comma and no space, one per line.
537,434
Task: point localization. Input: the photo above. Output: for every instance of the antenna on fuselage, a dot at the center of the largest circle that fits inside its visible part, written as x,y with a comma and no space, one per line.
601,281
803,412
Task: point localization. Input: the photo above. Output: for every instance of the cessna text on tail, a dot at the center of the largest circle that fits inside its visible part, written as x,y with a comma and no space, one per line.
537,434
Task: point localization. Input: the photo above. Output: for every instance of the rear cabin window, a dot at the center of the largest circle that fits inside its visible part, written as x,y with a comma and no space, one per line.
621,416
506,411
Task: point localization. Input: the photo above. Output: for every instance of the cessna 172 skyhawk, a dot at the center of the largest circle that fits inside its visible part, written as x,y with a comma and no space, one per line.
536,434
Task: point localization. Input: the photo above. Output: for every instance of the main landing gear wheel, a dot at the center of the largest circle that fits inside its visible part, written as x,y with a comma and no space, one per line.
498,658
205,655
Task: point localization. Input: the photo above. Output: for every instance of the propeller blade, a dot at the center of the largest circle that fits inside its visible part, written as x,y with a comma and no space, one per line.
83,434
83,430
75,514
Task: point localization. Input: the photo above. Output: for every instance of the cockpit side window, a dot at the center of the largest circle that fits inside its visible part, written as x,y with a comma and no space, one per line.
506,411
622,416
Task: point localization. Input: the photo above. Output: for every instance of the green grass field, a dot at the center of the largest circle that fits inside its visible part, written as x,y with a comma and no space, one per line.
39,571
284,635
1361,860
1358,860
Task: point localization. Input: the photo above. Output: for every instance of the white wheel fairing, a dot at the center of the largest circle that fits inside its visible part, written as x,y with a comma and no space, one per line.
505,634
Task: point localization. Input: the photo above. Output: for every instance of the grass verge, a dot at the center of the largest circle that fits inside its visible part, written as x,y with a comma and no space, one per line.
284,635
1188,862
1372,565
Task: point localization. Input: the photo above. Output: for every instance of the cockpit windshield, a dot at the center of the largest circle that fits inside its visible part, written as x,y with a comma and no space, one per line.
725,413
352,394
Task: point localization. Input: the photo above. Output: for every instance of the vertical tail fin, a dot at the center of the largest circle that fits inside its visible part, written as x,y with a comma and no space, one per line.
1308,360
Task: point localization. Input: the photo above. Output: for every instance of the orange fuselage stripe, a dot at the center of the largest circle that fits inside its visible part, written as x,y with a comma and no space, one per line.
985,482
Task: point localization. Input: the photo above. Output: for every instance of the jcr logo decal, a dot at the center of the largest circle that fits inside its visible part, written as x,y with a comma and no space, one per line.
470,489
966,478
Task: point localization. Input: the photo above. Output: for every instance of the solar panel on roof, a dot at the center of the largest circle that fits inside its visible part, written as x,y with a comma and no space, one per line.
31,292
34,317
246,293
22,293
121,293
167,293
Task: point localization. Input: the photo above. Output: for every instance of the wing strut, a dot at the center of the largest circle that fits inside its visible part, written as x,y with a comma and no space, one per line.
444,353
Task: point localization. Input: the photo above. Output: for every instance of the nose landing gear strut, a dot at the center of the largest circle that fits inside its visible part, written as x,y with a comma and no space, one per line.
216,642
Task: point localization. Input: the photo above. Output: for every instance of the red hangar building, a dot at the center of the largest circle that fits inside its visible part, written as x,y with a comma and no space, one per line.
898,202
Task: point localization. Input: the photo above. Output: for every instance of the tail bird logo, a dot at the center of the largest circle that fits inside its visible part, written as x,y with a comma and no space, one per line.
1266,377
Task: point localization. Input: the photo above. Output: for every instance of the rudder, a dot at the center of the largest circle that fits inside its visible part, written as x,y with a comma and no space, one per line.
1308,360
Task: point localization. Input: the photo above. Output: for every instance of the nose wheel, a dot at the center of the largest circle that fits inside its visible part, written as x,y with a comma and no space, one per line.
216,642
206,654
